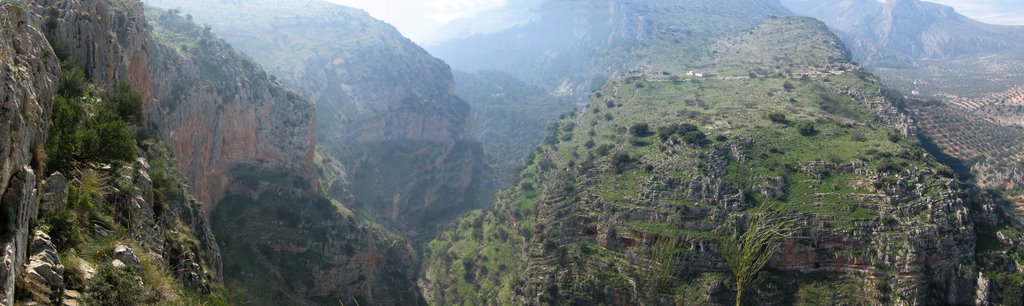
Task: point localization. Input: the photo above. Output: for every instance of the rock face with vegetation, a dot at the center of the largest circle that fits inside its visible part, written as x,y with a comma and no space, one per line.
630,200
386,109
216,109
250,141
220,111
70,196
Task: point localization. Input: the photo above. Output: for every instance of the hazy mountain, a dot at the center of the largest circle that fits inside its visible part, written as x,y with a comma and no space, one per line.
899,33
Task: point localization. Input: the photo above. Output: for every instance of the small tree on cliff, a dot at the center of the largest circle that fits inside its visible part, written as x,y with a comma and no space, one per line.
746,253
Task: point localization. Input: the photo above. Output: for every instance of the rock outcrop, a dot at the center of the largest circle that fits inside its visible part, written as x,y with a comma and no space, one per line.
44,273
111,38
216,108
28,77
219,110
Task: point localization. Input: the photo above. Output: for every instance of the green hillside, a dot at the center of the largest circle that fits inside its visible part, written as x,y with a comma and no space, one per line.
629,201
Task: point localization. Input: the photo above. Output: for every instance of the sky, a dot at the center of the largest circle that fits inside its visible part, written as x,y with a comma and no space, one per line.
990,11
421,20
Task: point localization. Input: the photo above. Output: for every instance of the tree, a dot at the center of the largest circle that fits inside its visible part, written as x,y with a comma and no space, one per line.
640,129
127,103
73,82
105,138
807,129
747,253
778,118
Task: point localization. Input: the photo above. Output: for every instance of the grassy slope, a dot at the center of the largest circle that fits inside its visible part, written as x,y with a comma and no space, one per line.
555,232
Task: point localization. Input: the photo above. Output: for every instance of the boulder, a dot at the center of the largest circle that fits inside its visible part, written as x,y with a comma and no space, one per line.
44,273
55,191
126,256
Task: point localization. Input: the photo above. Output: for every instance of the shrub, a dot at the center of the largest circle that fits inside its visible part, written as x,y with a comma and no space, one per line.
686,132
695,138
807,129
895,137
622,158
526,186
127,103
115,287
778,118
639,142
640,129
64,229
788,86
106,138
73,82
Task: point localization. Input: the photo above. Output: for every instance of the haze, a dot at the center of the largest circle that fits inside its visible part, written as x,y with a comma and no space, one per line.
424,21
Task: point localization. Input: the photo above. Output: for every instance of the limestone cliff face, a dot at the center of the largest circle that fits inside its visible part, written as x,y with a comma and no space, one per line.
385,107
216,108
110,37
28,77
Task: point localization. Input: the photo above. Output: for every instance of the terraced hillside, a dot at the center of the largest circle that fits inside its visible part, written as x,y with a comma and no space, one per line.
930,51
630,199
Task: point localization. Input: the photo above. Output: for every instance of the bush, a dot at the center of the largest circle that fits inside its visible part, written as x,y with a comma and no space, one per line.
640,129
127,103
639,142
106,138
73,82
621,160
788,86
686,132
807,129
64,229
778,118
115,287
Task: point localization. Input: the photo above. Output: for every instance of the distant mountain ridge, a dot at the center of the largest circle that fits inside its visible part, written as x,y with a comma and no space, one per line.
900,32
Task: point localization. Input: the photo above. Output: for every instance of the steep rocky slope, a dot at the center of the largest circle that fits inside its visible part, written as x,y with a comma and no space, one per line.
251,141
29,73
386,109
220,111
216,109
238,134
66,234
629,200
508,116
